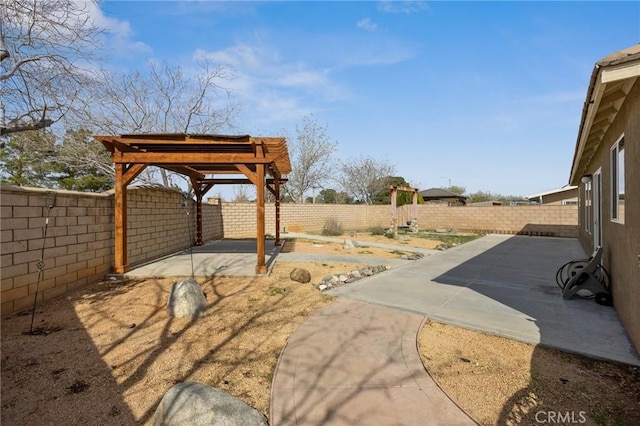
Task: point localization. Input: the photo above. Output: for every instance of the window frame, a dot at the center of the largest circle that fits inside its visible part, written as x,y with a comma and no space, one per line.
617,169
588,201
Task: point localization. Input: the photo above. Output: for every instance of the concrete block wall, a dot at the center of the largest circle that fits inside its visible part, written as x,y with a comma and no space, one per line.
212,222
239,220
542,220
312,217
78,250
80,237
157,223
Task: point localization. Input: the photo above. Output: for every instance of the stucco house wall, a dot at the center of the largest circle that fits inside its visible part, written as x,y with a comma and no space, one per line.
620,238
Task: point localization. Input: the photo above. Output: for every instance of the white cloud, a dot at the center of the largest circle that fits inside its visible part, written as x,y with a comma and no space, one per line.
272,106
119,35
304,78
273,89
240,56
367,24
406,7
295,79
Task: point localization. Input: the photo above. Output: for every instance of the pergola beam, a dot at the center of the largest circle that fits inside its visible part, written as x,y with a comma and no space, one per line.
131,172
238,181
197,156
189,158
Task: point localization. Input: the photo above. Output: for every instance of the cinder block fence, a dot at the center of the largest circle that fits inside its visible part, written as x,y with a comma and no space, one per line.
80,237
80,234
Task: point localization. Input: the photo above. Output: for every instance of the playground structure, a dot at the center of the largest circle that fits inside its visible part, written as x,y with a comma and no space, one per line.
412,223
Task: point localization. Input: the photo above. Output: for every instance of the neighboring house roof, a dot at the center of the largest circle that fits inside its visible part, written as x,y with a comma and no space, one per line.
565,188
611,80
440,194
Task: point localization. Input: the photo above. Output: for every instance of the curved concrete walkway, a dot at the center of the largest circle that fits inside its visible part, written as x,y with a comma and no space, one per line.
356,363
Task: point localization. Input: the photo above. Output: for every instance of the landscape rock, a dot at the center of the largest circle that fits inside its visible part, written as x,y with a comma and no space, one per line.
331,281
300,275
348,245
197,404
186,299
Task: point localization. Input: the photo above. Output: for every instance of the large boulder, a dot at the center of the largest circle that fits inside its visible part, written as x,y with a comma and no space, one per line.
195,404
300,275
186,299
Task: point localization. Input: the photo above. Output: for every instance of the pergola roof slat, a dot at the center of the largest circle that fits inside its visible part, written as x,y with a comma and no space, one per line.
216,151
196,156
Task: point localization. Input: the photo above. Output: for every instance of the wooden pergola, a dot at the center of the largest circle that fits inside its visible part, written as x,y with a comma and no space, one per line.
414,207
200,158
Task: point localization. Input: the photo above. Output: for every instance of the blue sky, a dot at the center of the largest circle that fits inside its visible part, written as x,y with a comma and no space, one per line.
485,95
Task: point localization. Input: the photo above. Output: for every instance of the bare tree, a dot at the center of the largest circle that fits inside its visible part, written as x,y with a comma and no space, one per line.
312,164
43,47
242,193
83,164
365,177
163,100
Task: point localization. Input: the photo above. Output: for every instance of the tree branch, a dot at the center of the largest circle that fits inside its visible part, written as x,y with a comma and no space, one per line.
16,66
40,124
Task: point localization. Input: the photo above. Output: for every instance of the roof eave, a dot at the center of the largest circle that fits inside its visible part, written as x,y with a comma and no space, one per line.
618,66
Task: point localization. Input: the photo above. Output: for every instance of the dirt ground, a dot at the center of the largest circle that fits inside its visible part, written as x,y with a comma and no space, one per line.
314,246
503,382
107,353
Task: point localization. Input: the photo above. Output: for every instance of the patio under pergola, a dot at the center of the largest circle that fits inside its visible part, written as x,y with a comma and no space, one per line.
200,158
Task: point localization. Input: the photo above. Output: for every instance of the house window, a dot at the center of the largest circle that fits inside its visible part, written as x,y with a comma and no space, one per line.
617,181
587,206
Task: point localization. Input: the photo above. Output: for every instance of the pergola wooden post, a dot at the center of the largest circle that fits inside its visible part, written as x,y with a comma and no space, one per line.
277,203
261,265
123,176
275,190
197,156
120,254
394,219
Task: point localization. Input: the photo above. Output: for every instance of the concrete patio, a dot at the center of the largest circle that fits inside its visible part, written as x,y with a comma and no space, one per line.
499,284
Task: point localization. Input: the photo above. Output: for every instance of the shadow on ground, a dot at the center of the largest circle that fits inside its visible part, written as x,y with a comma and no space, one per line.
510,273
115,352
